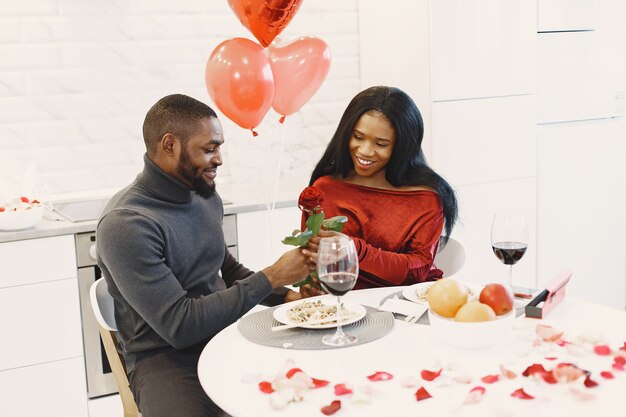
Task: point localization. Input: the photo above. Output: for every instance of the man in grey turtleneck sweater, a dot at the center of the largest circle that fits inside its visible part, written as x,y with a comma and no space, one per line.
162,252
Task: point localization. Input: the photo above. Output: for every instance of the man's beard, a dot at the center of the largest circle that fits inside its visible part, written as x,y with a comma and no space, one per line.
198,184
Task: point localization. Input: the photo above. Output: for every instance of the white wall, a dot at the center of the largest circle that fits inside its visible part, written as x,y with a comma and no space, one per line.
77,77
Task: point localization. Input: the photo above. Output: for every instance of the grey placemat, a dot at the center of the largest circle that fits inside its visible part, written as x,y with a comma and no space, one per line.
257,328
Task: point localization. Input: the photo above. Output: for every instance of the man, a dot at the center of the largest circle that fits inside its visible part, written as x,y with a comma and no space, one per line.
161,250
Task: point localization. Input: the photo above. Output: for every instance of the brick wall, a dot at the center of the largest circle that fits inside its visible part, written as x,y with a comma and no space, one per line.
77,77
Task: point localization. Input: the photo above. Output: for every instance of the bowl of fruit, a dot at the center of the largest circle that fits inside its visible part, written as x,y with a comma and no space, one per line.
20,213
464,321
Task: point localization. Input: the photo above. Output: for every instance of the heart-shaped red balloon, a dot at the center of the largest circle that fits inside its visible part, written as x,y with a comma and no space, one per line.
299,67
265,19
240,82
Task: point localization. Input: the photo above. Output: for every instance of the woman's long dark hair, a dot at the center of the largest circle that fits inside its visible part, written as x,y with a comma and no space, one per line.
407,165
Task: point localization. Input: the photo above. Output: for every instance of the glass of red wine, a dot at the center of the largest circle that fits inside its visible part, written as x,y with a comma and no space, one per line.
509,240
337,270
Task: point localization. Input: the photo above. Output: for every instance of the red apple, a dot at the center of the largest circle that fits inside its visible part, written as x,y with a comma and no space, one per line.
498,297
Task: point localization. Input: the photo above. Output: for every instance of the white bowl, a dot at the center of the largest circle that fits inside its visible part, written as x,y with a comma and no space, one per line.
20,219
472,335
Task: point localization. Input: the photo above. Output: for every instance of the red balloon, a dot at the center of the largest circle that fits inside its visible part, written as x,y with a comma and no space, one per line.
240,81
300,67
265,19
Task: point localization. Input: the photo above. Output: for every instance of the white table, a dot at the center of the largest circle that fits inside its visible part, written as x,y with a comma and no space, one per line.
230,367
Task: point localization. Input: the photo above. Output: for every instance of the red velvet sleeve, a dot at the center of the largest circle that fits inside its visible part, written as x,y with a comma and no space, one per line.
415,262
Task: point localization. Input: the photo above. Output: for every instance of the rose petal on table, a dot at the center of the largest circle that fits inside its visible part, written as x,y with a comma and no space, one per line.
618,366
380,376
331,408
581,395
342,389
590,383
533,369
623,347
319,383
430,375
475,395
606,375
566,372
619,359
548,333
292,372
266,387
490,379
507,373
422,394
521,394
602,350
562,343
550,358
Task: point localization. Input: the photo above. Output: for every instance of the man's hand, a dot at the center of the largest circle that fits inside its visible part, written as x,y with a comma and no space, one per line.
291,267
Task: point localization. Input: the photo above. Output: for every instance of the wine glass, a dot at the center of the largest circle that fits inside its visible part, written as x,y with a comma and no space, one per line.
337,270
509,240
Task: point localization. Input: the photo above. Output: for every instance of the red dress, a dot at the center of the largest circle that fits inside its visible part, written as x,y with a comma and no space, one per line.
395,232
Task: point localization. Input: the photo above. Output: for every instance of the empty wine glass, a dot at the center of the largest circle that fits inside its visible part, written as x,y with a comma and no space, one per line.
509,240
337,270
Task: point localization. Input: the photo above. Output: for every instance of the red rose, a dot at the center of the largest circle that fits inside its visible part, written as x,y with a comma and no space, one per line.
310,198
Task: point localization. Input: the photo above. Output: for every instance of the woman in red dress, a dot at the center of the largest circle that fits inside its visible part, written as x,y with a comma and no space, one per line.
375,173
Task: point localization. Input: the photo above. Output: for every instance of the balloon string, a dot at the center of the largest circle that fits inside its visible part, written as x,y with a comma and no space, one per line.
254,133
282,120
280,159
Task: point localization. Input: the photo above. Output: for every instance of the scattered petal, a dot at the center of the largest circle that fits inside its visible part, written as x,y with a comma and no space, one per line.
266,387
422,394
606,375
341,389
590,383
548,333
430,375
551,358
410,382
602,350
490,379
507,373
581,395
566,372
292,372
380,376
618,366
619,359
521,394
534,369
332,408
319,383
475,395
623,347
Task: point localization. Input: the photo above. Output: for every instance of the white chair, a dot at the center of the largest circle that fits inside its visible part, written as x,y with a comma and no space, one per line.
102,304
450,258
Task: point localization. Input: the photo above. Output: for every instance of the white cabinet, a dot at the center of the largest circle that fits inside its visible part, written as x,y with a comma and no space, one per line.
42,371
482,48
54,389
491,139
259,235
582,206
561,15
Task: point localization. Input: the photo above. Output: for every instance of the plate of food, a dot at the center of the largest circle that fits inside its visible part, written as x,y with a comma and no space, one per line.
418,293
318,312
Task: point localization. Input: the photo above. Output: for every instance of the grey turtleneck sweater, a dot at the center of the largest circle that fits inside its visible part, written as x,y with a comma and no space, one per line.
161,250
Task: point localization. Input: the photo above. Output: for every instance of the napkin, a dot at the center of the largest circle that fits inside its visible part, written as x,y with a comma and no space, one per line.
407,308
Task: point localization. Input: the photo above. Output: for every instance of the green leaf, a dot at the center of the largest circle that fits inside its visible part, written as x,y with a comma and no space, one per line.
301,239
305,281
335,223
314,222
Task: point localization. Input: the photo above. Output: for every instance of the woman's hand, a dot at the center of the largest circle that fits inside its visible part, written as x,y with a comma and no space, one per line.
309,290
314,243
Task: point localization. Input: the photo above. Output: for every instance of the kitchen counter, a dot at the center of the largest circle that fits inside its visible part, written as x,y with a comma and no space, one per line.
239,198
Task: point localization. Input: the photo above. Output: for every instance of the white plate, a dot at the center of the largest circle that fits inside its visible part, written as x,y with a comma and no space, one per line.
358,312
413,292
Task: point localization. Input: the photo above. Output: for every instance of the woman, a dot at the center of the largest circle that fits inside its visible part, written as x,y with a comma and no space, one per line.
374,172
